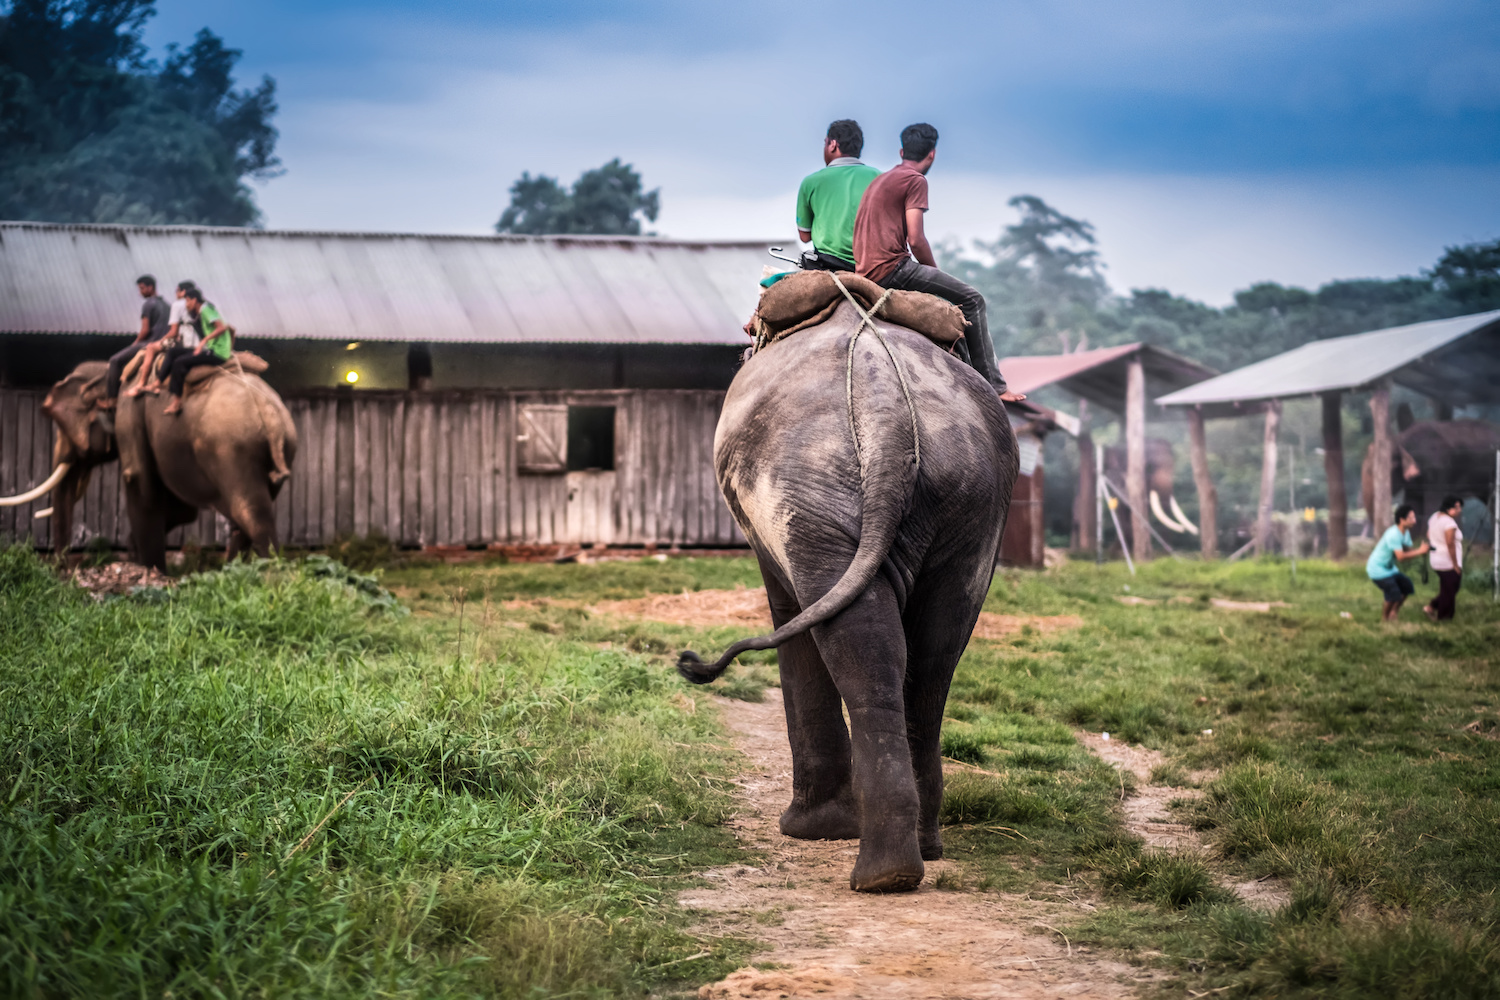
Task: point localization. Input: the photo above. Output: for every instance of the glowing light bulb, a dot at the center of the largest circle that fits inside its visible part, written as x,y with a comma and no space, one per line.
352,377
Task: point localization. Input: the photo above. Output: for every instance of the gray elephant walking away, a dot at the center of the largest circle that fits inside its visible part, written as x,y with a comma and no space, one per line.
876,564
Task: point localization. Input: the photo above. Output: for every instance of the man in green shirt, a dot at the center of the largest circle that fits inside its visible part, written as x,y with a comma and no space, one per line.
213,349
828,201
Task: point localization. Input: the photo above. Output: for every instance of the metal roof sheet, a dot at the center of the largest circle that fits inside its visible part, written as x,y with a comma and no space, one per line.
386,286
1456,359
1099,375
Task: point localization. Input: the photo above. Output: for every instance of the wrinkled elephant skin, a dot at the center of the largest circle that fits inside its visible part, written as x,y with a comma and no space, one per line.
875,581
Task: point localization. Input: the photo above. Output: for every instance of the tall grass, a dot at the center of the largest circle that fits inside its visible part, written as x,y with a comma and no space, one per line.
269,784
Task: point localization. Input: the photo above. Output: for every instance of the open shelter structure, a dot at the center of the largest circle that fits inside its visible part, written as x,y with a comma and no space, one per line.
1454,362
1118,379
448,391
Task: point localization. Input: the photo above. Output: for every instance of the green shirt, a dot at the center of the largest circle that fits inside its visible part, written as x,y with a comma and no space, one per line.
220,346
828,201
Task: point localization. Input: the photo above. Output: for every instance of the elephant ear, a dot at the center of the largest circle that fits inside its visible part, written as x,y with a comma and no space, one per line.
1409,467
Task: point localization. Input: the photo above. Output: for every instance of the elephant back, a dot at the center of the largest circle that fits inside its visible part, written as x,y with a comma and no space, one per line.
224,411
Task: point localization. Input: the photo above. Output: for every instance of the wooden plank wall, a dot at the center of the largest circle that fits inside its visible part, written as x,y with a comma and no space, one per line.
433,469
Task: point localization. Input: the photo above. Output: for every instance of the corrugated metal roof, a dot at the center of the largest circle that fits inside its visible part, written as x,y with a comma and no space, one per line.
386,286
1099,375
1456,359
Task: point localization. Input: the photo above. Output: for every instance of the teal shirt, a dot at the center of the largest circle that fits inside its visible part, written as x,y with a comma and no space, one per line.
828,201
1383,560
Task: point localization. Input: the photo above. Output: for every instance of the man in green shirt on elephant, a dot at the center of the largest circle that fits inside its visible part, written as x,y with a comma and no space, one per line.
214,349
828,201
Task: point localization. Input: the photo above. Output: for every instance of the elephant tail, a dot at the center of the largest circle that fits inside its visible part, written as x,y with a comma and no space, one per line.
889,455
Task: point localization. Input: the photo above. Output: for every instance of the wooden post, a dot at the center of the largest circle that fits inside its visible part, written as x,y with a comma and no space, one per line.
1083,504
1208,494
1333,471
1267,478
1135,457
1380,467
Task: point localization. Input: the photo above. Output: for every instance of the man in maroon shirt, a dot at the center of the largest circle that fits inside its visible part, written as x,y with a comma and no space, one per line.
888,235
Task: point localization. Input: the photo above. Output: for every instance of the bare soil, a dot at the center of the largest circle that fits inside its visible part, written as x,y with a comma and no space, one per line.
119,578
824,940
747,606
1147,812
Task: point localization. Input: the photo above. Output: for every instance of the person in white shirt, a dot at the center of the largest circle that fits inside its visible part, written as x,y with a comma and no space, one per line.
1447,557
180,333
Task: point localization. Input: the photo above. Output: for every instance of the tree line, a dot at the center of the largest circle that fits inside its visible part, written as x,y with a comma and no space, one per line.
92,130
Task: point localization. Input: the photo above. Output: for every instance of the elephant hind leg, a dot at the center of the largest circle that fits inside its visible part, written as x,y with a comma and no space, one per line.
939,622
255,520
822,806
865,650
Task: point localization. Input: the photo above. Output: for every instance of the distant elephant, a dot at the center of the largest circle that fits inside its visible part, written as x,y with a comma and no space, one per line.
231,449
1161,472
877,523
1432,459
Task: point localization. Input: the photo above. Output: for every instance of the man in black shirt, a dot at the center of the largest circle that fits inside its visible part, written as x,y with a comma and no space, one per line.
154,314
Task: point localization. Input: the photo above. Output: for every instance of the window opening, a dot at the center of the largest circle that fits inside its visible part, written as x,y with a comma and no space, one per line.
591,438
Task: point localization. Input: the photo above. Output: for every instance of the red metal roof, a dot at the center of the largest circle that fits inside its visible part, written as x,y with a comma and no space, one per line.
1099,375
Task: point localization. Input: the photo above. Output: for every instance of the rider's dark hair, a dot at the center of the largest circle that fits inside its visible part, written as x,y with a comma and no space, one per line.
917,141
195,293
850,137
1449,501
1403,510
186,286
146,279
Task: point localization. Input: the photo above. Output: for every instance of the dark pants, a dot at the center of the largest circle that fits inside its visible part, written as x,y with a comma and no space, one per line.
1447,596
180,360
976,348
117,363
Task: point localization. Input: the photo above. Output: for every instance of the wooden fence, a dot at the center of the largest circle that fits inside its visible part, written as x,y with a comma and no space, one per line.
433,469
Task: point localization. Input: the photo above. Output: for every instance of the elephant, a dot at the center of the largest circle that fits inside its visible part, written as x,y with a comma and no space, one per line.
1434,458
872,480
231,449
1161,472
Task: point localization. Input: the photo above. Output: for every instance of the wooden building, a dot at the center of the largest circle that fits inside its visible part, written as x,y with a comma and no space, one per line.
447,391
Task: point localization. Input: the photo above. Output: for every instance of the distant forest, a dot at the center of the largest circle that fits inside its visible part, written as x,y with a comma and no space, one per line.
91,130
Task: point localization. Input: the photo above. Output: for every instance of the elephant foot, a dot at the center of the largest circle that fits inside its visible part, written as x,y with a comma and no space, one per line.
887,871
931,847
835,819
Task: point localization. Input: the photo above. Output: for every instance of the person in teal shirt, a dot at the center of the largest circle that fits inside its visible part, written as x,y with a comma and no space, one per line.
1381,568
828,201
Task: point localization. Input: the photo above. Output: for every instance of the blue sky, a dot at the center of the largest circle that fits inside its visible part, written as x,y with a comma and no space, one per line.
1211,144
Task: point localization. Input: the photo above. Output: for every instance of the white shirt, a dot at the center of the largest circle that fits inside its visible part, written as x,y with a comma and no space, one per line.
185,328
1438,527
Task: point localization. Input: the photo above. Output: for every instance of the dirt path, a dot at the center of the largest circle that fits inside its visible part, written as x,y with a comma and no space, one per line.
828,941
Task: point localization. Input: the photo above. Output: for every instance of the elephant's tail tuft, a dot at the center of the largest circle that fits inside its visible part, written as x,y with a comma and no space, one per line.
692,668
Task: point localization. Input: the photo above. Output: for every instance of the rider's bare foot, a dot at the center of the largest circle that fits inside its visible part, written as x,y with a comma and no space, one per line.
174,407
1011,396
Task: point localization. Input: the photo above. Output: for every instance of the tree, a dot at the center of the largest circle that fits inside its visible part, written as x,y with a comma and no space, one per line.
605,201
1044,282
93,131
1471,275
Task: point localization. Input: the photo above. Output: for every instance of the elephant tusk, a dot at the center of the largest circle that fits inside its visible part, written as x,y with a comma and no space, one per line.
1192,528
33,493
44,512
1161,515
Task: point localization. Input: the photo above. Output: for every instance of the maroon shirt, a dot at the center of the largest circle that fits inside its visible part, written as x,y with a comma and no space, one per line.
880,227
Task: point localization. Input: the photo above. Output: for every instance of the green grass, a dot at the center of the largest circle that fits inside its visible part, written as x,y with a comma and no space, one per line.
1339,757
501,819
529,780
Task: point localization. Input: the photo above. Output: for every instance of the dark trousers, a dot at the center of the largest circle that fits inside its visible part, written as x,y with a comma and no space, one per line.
1446,600
976,348
180,361
117,363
